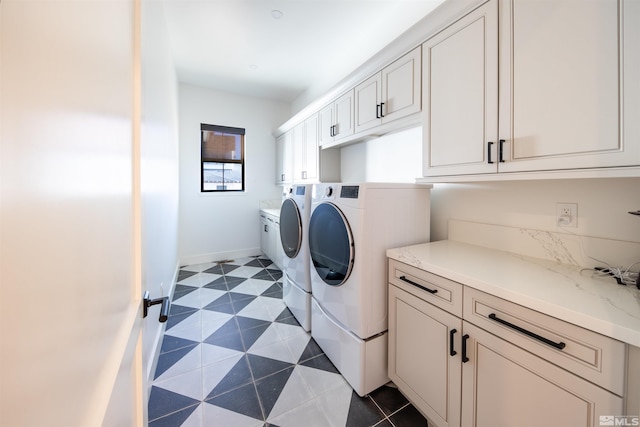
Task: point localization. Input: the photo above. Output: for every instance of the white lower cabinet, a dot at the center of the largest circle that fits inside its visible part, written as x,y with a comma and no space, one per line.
420,361
510,367
504,386
270,243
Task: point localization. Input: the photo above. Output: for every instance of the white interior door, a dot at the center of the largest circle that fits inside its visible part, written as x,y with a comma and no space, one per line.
69,226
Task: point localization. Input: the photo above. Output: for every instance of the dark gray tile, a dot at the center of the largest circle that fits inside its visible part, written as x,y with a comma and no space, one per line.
263,366
389,399
219,284
275,273
363,412
250,336
170,343
227,336
312,350
163,402
321,362
243,400
233,281
263,275
408,417
174,419
270,388
221,269
182,290
274,291
183,274
238,376
167,360
248,322
260,262
177,309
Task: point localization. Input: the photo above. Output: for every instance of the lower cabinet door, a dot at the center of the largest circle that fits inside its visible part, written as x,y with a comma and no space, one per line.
422,363
506,386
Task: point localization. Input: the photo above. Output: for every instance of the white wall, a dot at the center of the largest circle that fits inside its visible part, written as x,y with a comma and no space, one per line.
602,203
219,226
390,158
159,170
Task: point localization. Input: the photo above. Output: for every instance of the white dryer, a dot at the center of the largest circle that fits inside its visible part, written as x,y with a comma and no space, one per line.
294,226
350,229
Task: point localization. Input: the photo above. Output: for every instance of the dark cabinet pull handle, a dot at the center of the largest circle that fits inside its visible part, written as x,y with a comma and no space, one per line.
331,131
501,151
452,352
378,111
465,337
164,310
558,345
411,282
489,145
381,105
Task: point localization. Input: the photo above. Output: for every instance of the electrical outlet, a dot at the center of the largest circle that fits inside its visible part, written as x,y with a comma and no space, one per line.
567,214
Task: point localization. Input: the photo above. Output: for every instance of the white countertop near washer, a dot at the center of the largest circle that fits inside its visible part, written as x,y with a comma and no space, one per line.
566,292
274,212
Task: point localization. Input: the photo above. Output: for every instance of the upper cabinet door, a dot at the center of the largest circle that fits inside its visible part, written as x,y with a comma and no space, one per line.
298,152
460,93
311,148
284,158
325,125
335,121
561,87
401,84
343,116
367,103
390,94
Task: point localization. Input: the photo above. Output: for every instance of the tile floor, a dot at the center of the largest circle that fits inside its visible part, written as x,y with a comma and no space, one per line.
233,355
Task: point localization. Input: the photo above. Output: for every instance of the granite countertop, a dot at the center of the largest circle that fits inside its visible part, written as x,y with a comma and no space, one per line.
567,292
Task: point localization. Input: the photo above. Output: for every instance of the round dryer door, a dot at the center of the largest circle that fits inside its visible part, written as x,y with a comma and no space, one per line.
330,244
290,228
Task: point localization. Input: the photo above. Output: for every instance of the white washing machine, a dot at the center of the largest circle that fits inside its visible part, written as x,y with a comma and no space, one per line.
350,229
294,226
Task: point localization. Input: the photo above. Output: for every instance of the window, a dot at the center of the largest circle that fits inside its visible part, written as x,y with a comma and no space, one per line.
222,158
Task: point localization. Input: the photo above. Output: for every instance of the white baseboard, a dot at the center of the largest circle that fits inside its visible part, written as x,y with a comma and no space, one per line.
219,256
155,353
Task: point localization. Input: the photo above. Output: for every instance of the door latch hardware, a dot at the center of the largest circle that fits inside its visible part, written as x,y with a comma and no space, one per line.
164,309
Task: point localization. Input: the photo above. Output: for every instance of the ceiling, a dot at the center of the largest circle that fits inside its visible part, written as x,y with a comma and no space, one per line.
239,46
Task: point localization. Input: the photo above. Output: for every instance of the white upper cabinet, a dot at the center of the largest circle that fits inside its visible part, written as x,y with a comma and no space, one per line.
310,163
284,158
562,85
393,93
305,149
567,85
460,90
310,157
335,121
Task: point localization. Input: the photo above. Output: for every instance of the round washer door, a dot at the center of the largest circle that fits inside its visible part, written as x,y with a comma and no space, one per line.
330,244
290,228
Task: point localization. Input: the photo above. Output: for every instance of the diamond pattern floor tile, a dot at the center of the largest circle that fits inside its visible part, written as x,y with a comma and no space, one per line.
234,355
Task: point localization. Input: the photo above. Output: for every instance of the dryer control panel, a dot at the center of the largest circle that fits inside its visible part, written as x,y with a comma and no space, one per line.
349,191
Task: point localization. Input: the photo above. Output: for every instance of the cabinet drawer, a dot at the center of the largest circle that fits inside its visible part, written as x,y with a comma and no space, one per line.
592,356
436,290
